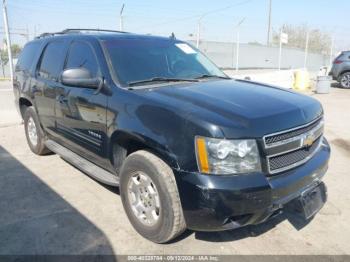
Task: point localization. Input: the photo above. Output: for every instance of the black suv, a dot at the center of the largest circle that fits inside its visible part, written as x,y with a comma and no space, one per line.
188,146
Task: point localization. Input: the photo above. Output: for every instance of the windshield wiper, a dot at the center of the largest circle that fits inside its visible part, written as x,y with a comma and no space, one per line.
161,79
212,76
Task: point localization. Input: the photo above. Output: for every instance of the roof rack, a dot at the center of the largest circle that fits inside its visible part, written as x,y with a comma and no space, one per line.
47,34
78,30
81,30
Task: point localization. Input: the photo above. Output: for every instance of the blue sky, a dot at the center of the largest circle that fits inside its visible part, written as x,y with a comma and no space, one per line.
180,16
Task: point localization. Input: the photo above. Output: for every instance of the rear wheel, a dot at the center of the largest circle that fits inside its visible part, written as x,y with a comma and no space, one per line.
150,197
344,80
34,133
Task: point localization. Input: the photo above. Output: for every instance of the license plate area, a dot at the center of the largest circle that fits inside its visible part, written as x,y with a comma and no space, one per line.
312,200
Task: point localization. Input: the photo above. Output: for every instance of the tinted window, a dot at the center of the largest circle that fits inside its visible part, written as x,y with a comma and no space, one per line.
51,61
81,55
26,57
141,59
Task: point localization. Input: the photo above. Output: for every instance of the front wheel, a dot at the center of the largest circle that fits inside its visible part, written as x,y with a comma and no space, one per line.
150,197
344,80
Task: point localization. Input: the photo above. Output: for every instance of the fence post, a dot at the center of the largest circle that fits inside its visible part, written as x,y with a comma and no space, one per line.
280,52
306,48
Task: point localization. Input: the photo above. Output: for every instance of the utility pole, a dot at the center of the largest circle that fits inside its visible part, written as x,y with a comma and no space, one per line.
121,25
198,33
237,43
27,34
331,52
199,30
269,24
8,40
280,52
306,48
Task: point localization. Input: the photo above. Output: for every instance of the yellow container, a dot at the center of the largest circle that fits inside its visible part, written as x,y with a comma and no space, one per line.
301,80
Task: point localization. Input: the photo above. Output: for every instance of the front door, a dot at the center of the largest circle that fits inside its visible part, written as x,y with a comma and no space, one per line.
45,83
81,111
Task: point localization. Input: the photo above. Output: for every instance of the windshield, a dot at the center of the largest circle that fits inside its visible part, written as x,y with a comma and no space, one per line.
139,60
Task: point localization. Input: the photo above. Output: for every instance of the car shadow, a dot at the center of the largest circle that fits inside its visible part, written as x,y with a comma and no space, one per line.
336,85
253,230
113,189
35,220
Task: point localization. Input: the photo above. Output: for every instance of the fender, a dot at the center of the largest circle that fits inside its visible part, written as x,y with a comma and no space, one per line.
126,142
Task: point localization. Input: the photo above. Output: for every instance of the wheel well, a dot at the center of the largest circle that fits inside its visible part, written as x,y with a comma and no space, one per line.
343,72
23,104
120,151
125,144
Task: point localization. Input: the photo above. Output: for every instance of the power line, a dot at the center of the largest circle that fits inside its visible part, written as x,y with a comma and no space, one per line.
211,12
92,8
198,15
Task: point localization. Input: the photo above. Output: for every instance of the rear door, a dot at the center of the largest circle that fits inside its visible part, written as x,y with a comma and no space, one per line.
46,82
81,111
22,77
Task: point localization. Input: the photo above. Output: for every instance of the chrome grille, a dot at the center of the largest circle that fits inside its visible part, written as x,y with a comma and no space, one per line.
291,148
289,134
291,158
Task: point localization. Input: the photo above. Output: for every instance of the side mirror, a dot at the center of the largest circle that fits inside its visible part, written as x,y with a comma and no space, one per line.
80,77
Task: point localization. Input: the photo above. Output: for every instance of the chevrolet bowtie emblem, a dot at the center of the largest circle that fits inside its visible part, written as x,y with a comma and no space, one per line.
308,140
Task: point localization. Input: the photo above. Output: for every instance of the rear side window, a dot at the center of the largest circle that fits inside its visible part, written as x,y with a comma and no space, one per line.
343,55
26,57
51,61
81,55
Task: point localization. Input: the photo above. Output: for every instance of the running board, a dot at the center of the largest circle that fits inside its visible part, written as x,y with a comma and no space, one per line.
86,166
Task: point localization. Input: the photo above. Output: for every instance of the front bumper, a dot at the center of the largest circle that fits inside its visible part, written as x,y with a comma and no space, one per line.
214,203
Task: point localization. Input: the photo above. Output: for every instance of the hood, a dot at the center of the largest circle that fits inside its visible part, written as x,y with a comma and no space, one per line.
240,108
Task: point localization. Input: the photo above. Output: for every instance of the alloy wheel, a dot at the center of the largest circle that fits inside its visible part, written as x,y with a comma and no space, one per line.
345,81
32,132
144,198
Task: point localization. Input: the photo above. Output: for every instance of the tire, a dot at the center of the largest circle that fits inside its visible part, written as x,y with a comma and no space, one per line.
170,221
344,80
32,124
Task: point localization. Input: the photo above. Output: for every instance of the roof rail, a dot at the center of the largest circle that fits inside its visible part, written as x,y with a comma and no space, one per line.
81,30
78,30
48,34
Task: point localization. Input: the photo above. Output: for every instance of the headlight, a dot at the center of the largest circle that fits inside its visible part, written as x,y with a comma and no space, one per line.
220,156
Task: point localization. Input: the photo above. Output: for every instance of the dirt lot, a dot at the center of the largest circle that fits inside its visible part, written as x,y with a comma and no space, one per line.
49,207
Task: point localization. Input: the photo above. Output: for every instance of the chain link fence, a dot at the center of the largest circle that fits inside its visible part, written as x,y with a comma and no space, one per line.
253,56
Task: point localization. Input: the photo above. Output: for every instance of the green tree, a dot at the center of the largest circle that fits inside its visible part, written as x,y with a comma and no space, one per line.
16,49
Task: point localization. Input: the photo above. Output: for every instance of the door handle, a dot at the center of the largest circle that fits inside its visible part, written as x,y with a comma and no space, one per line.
62,100
35,90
